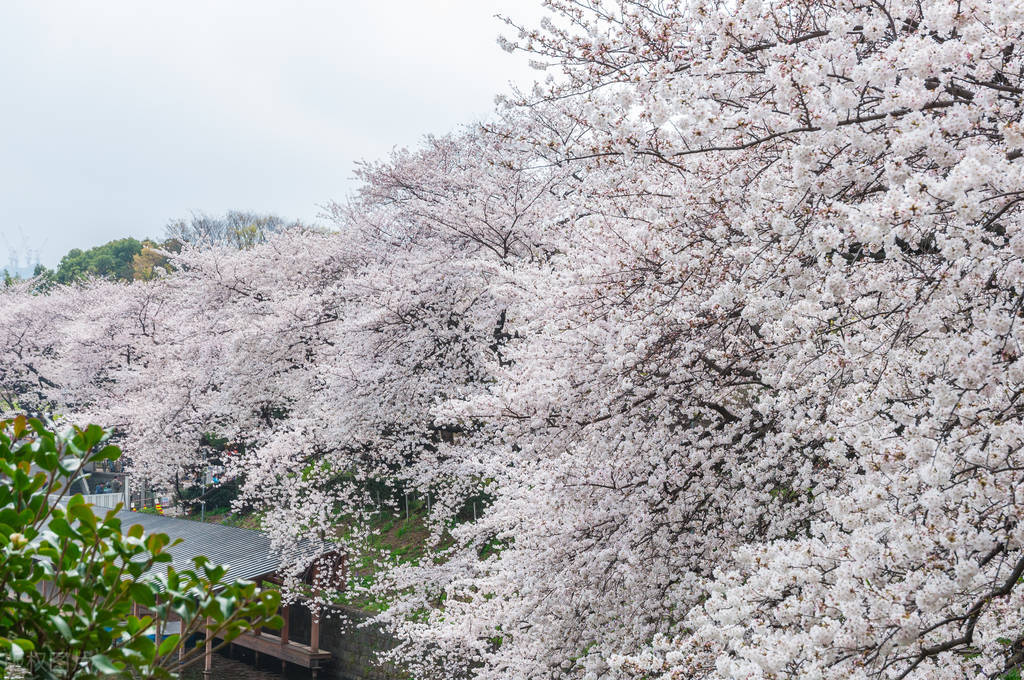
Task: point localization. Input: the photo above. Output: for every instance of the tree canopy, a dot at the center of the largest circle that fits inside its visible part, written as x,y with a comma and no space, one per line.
724,319
237,228
113,260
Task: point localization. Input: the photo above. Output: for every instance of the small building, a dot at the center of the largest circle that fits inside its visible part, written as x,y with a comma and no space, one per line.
248,555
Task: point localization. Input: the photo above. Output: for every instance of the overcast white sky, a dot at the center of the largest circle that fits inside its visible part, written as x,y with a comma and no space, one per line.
117,116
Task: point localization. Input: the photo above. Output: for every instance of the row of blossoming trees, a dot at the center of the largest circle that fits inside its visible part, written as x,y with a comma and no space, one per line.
724,317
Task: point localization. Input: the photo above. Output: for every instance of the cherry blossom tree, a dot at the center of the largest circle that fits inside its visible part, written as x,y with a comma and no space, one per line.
374,325
723,317
767,422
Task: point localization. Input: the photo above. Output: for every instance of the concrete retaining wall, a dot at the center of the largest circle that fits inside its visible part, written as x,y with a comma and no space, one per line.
353,646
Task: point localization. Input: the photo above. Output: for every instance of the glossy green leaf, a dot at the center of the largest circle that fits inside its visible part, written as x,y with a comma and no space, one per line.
103,664
168,644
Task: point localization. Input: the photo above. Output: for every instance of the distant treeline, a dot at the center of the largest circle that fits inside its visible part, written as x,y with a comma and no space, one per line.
129,259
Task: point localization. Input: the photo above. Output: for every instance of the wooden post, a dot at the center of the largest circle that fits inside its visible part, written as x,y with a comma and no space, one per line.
314,632
208,653
284,636
181,640
156,626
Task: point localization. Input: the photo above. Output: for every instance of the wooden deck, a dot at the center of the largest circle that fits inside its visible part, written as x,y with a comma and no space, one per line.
290,651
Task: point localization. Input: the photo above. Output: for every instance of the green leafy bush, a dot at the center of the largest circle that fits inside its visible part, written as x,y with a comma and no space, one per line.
70,577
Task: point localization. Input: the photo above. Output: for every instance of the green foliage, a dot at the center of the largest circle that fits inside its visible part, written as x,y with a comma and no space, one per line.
70,577
113,260
125,259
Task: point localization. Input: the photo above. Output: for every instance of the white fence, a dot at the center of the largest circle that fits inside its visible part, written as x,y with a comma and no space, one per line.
100,500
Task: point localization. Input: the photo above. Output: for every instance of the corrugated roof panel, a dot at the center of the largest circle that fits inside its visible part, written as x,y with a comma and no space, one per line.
246,553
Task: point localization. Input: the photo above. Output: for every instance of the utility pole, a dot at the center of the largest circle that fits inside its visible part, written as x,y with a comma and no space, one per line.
202,503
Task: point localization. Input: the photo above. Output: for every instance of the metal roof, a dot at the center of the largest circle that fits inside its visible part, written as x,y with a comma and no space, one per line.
246,553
